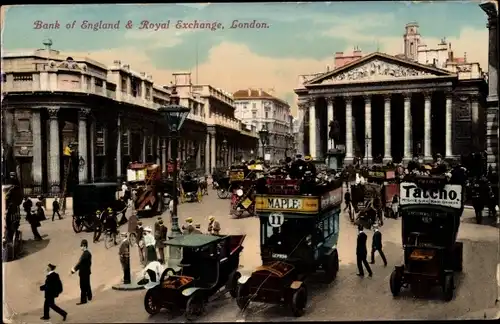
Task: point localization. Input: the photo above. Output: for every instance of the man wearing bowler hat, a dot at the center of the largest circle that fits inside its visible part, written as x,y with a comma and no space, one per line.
52,288
83,267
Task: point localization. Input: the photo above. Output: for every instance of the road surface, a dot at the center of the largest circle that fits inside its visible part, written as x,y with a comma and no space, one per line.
348,298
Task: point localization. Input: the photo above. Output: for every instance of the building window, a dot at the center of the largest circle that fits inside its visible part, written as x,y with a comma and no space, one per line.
98,82
148,93
100,140
267,114
126,142
149,144
254,114
254,105
4,77
124,84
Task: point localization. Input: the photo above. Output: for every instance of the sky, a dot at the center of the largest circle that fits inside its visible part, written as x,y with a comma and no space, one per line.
300,38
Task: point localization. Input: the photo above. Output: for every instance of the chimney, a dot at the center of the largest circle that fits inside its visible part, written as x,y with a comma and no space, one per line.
126,67
339,54
117,62
249,92
143,74
465,57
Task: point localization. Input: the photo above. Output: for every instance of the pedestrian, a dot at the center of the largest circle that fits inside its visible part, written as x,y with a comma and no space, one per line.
348,205
124,190
52,289
361,253
377,246
395,206
213,226
34,222
40,212
140,241
55,209
188,228
160,238
27,205
124,253
150,244
83,267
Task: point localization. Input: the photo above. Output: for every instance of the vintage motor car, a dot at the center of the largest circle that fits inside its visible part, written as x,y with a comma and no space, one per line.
299,226
191,189
90,198
431,207
209,267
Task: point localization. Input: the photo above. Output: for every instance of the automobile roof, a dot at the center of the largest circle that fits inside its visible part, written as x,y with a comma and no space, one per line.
194,240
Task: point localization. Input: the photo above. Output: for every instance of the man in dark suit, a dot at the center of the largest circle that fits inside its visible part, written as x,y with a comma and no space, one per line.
361,253
377,246
52,288
83,268
55,209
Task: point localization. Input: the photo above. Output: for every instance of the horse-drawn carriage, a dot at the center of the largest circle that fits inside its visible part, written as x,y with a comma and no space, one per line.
191,188
145,180
367,202
299,228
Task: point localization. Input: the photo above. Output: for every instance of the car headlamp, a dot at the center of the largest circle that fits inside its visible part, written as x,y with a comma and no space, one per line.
239,192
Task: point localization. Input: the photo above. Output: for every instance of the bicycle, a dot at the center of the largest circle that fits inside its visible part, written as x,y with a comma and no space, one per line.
110,238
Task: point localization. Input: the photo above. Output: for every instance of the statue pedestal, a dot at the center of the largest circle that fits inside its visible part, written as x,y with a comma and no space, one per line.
335,159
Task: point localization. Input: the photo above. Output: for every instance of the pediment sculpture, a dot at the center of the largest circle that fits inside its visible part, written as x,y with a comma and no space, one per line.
377,69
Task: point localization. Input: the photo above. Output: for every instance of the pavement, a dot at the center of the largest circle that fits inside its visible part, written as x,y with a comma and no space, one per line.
475,295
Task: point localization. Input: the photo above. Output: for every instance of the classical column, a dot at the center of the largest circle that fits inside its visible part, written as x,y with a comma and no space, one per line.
198,154
92,148
119,145
407,154
82,143
387,129
476,136
448,127
493,56
213,150
427,127
348,130
36,126
312,129
144,143
207,154
330,100
158,149
368,129
164,155
54,150
169,148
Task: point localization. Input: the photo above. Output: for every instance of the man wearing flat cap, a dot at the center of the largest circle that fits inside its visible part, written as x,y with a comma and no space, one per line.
83,267
188,228
52,289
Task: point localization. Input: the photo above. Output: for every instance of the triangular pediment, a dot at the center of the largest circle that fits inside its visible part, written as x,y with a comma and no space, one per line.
378,67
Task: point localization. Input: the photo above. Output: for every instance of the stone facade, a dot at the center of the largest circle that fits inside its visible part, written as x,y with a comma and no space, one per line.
393,106
108,113
492,122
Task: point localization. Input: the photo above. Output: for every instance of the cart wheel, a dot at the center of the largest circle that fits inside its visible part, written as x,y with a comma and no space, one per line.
108,240
77,225
150,303
448,287
232,283
331,267
194,307
132,238
395,283
458,256
221,193
299,301
243,296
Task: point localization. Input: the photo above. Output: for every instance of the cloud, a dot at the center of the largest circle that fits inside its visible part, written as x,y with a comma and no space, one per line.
229,66
157,39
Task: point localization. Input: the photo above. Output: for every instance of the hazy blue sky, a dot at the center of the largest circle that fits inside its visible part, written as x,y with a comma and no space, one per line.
301,37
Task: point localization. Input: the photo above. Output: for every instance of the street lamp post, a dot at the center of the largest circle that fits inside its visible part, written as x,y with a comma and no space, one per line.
367,142
264,138
174,116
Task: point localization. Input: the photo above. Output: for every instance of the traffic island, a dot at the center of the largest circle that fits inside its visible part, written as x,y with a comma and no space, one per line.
128,287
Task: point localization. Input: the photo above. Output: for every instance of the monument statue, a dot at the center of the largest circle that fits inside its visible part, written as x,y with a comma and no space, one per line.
334,133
